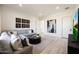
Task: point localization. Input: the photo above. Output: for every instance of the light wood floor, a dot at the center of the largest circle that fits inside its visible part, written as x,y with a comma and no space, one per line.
51,45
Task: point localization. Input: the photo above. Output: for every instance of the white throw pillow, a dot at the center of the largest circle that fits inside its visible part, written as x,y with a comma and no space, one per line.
15,32
10,32
5,36
16,42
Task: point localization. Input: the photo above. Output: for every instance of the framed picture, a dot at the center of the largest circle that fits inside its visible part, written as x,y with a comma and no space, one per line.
51,26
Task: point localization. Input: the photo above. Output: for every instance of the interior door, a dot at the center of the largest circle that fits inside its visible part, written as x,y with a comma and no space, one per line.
67,26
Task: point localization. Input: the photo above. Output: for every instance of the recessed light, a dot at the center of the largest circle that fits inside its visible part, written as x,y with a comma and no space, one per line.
20,5
57,7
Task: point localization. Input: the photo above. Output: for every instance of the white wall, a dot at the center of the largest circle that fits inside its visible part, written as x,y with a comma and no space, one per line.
77,7
59,22
9,16
39,25
0,18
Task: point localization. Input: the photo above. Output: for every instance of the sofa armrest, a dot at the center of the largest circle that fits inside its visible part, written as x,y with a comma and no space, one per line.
25,50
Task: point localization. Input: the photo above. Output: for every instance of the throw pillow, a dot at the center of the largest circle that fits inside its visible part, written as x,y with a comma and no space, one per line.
24,43
16,42
25,40
12,32
5,36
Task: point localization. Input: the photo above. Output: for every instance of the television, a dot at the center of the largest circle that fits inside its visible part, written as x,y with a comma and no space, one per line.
75,27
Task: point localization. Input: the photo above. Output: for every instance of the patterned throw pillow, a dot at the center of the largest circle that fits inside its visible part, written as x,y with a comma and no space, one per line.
24,40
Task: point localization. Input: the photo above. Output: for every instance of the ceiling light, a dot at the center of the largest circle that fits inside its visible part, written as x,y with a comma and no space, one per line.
20,5
57,7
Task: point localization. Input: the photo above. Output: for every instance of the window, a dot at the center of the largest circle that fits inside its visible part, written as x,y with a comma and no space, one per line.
22,23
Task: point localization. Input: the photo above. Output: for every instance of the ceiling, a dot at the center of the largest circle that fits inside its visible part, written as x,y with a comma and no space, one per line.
41,9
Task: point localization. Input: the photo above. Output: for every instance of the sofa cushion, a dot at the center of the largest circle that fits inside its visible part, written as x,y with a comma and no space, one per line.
27,31
22,31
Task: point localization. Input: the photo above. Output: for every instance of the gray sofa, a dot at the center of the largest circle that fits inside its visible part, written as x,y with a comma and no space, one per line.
5,48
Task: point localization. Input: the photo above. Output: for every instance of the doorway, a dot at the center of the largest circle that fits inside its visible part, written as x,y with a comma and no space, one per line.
67,26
